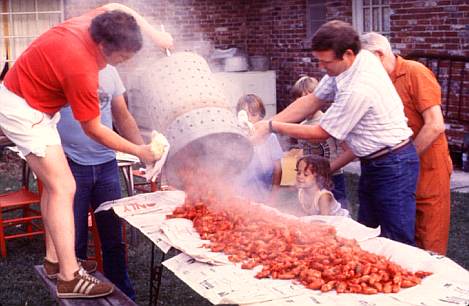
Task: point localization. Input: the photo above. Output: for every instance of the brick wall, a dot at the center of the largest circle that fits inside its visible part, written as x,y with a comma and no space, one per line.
430,26
438,27
273,28
276,28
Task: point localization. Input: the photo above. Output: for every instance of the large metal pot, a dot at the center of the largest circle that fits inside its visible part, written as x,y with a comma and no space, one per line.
188,106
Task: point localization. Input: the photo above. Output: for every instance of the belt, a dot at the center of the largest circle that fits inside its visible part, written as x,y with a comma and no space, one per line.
386,150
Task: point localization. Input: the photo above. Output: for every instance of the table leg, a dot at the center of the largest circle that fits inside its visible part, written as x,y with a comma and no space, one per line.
156,271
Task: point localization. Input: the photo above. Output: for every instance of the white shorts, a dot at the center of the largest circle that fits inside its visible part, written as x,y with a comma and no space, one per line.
31,130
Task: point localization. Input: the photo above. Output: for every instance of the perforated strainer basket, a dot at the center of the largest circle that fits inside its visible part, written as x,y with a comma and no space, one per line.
188,106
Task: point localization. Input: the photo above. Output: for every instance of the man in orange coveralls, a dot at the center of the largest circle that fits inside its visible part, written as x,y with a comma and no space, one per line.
421,94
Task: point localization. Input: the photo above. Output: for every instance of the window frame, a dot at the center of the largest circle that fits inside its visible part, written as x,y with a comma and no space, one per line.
8,41
358,19
308,22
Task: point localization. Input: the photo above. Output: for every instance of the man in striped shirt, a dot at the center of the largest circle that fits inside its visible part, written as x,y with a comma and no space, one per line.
368,115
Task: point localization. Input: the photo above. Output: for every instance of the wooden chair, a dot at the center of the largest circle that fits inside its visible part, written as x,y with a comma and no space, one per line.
18,216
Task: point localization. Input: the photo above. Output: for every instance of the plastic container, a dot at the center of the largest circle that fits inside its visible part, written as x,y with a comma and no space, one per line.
236,63
259,63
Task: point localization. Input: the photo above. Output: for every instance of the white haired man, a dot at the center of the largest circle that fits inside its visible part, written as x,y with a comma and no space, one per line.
421,94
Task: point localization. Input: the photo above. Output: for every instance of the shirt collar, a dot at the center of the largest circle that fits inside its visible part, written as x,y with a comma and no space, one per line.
398,69
100,58
349,72
96,51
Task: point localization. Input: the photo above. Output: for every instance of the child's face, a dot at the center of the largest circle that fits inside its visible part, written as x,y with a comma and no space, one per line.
253,118
305,178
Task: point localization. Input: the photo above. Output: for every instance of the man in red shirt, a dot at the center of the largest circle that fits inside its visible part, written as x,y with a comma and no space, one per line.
421,95
60,67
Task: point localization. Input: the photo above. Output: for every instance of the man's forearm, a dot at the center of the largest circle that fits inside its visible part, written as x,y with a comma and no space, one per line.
129,130
427,135
124,121
107,137
306,132
342,160
433,126
299,109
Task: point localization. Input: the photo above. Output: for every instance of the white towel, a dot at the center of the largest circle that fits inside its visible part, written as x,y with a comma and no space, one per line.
152,171
244,122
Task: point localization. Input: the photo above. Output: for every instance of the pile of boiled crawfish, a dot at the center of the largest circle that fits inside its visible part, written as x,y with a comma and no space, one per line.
307,253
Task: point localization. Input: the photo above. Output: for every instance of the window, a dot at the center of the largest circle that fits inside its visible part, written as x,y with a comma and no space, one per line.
372,15
21,21
315,16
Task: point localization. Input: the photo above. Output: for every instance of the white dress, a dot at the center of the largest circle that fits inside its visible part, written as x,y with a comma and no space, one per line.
311,207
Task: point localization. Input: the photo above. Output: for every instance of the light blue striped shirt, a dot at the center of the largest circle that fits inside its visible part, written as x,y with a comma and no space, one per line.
367,112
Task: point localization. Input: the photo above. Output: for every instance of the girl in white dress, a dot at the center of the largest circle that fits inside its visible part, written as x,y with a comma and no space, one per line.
313,180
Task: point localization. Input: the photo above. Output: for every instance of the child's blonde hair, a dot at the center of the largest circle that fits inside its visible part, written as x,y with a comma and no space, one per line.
252,103
303,86
319,166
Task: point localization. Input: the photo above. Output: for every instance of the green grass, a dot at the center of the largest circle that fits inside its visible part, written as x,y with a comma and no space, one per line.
20,286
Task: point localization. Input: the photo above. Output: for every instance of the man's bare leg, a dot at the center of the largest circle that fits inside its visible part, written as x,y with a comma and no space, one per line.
57,208
51,253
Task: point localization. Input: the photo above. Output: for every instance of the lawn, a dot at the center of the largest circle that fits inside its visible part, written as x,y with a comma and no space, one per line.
19,285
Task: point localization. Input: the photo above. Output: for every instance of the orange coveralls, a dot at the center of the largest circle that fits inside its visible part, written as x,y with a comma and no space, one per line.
419,90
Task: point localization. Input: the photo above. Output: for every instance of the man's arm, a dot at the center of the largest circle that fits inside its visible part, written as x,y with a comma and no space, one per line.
124,121
299,109
107,137
343,159
313,133
295,112
162,39
433,126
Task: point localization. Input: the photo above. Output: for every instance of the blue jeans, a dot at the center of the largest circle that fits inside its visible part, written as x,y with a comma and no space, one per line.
387,193
339,190
95,185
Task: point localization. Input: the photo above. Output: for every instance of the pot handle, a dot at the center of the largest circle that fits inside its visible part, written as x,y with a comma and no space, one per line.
166,50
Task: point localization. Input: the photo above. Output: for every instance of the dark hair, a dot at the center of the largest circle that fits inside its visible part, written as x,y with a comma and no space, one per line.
116,31
253,104
321,167
337,36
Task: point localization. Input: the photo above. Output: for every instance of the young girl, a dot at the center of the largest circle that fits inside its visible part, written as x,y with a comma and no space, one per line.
260,181
314,183
331,148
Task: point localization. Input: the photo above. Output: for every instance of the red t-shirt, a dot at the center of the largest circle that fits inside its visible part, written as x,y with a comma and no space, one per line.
59,67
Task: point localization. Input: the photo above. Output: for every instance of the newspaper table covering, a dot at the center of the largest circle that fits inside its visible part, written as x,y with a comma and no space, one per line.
147,212
228,284
220,281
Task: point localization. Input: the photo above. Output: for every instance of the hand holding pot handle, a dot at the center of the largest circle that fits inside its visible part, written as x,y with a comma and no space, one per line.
166,50
161,38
